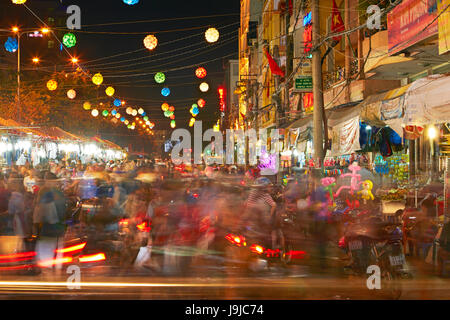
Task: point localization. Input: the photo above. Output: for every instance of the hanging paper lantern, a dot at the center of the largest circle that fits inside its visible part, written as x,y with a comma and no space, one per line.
152,125
191,122
117,102
201,103
118,115
134,113
172,116
11,45
105,113
204,87
145,118
173,124
131,2
94,113
150,42
129,126
114,112
165,92
195,111
110,91
141,111
172,108
52,85
129,110
165,107
143,114
200,72
87,105
167,113
212,35
160,77
97,79
71,94
19,1
69,40
126,122
122,119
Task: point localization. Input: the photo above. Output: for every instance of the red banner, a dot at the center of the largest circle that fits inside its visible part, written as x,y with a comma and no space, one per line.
407,21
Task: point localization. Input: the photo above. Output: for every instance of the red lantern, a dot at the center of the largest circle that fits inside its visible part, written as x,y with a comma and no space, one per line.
201,103
172,116
172,108
200,72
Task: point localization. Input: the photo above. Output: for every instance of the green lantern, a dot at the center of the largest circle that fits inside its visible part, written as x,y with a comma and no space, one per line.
105,113
160,77
167,113
69,40
145,118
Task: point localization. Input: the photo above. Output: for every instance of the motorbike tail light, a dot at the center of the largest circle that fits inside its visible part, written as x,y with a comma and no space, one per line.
15,256
295,254
342,242
74,248
144,227
52,262
257,249
124,222
272,253
93,257
236,240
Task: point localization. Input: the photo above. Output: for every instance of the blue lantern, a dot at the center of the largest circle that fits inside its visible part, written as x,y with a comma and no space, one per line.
117,102
195,110
114,112
11,45
122,119
165,92
143,114
131,2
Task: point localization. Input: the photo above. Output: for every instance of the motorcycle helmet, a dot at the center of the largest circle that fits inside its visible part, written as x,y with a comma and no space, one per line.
262,182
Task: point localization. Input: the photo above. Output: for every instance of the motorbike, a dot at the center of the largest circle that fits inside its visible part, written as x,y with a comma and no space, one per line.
370,241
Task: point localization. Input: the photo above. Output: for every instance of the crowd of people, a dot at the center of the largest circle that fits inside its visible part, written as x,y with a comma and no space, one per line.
185,207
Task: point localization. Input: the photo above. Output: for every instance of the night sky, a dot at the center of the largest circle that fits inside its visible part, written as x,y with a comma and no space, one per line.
176,49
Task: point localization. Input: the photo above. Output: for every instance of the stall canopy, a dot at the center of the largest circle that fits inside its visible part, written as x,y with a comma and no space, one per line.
428,101
19,128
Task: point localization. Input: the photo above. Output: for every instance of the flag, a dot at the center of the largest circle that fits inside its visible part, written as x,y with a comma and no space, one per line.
337,24
276,70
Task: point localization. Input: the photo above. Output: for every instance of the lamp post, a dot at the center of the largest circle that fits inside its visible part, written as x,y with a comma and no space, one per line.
19,34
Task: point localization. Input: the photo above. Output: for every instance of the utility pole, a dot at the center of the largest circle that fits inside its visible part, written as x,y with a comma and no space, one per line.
289,58
317,85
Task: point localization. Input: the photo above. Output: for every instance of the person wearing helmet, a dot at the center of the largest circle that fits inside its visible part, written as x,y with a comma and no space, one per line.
260,207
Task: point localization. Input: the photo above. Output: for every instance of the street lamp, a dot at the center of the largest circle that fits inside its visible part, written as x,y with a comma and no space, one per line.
19,34
35,60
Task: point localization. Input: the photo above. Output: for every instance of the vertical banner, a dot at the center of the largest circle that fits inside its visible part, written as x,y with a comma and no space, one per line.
444,26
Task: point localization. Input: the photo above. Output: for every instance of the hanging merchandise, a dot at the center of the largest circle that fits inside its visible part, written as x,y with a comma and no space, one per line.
69,40
52,85
150,42
110,91
71,94
160,77
87,105
11,45
345,137
97,79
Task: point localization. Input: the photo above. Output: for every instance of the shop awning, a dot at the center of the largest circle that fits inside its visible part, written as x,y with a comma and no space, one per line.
428,101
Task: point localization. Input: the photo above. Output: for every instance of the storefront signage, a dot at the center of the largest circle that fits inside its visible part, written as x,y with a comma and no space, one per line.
409,23
304,84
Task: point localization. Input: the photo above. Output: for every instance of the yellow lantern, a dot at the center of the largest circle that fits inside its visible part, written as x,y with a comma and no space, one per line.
97,79
150,42
129,110
19,1
71,94
212,35
110,91
118,115
87,105
52,85
94,113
